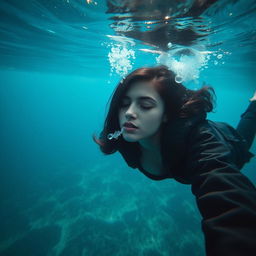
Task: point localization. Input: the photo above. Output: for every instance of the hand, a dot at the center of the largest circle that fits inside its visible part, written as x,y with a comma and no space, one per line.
253,97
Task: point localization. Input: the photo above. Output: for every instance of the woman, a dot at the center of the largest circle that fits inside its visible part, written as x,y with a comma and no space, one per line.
165,134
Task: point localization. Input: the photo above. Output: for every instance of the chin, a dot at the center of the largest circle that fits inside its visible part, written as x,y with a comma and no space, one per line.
130,139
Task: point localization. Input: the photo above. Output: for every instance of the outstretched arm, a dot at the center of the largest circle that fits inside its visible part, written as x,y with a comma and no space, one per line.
225,197
247,123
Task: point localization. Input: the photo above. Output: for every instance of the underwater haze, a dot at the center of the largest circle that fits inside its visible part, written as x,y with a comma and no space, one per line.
60,61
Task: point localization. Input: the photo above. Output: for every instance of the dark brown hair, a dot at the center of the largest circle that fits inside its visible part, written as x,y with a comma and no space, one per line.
179,102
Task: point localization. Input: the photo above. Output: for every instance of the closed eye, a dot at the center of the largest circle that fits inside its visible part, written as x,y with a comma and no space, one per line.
146,107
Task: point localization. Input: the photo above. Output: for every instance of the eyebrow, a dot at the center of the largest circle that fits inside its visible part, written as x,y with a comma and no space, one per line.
142,98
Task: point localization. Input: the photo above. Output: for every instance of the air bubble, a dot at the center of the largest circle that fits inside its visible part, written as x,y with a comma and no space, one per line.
219,56
178,79
169,45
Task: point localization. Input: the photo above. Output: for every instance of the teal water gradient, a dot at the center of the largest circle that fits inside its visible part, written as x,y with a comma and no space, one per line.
59,195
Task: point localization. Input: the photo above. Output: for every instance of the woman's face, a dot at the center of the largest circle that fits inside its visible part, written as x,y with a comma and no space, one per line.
144,108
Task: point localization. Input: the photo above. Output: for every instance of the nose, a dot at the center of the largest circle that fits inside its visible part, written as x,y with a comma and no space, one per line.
130,112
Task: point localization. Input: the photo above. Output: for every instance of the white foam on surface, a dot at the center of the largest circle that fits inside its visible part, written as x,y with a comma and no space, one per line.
186,63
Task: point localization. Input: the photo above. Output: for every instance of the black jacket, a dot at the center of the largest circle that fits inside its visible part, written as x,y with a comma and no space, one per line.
208,155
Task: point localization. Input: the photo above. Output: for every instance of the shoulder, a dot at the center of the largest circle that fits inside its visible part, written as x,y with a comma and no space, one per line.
220,140
211,138
219,131
204,149
215,139
198,140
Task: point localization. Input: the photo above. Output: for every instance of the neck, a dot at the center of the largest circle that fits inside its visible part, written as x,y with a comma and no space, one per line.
151,145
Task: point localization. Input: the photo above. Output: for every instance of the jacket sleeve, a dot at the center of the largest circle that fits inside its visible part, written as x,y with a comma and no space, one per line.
247,124
225,197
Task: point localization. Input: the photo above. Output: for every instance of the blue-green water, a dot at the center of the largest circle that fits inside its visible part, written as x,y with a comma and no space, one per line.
60,61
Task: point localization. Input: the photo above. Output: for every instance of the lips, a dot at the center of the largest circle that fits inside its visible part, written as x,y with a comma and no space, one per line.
130,125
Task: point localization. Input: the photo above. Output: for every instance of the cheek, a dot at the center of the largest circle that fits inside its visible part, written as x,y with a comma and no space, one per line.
151,124
155,119
121,117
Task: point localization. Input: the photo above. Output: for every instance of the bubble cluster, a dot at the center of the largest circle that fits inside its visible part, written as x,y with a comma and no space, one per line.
184,62
188,62
120,59
121,55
